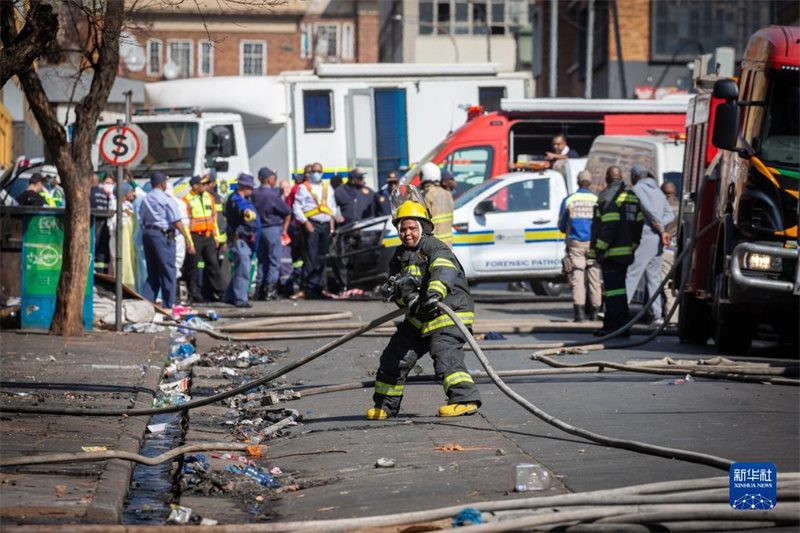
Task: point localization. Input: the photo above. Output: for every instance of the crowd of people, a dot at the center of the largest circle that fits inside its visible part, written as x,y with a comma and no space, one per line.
622,235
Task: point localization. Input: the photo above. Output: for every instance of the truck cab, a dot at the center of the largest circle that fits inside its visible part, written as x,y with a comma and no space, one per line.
747,273
186,142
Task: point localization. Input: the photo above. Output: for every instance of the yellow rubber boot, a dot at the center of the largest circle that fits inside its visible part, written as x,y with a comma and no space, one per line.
376,413
458,409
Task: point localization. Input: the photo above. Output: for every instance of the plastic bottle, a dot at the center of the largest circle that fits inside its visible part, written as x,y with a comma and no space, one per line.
256,474
530,477
181,351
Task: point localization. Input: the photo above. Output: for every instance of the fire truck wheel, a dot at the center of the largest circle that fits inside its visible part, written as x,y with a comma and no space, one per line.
694,320
733,332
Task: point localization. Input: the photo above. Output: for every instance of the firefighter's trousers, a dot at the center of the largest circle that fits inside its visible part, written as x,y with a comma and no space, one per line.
615,294
406,346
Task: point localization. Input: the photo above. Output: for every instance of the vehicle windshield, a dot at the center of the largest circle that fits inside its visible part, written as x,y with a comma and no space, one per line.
473,192
170,145
412,172
780,144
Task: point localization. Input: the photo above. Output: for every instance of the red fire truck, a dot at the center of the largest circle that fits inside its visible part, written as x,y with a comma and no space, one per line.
493,144
741,169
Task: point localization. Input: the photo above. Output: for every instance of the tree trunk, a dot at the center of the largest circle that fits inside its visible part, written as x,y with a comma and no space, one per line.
40,26
74,161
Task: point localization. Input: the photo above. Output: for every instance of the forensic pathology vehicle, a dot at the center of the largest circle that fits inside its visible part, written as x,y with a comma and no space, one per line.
503,229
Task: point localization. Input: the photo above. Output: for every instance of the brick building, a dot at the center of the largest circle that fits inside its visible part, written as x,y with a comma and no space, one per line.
219,38
658,39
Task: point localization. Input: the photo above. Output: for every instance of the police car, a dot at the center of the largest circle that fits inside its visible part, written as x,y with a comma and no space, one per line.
505,229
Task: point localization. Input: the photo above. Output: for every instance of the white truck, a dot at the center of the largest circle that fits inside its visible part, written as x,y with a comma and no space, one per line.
380,117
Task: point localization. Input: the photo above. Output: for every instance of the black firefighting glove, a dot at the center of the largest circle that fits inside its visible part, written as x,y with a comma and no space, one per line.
428,309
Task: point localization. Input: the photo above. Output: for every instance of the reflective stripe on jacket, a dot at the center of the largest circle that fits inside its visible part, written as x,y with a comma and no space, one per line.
617,225
441,205
202,212
436,270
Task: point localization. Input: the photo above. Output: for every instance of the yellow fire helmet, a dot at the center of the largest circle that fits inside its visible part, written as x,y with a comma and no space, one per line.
407,202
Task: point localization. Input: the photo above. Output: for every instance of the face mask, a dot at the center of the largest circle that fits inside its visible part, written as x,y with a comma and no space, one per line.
108,187
316,176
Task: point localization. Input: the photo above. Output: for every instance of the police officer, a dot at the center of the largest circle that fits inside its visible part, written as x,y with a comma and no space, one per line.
201,208
273,213
575,219
429,273
244,231
616,231
356,201
315,208
221,232
160,216
385,195
439,201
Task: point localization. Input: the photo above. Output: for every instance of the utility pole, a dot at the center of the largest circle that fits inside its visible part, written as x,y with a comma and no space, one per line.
623,85
553,47
589,50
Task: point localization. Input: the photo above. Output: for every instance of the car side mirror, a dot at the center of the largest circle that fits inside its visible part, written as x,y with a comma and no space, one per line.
726,90
486,206
726,126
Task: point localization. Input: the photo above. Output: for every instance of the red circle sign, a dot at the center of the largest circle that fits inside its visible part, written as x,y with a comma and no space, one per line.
120,148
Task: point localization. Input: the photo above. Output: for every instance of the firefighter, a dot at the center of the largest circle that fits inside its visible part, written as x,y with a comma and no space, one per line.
440,202
616,231
202,211
425,272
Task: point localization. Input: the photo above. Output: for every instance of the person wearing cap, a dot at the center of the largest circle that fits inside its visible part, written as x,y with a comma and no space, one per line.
295,231
384,204
439,201
273,214
52,192
650,253
221,231
244,232
316,210
616,231
356,201
423,272
449,183
575,220
160,217
202,212
32,195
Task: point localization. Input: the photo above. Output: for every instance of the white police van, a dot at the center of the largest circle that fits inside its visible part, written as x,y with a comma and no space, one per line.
503,229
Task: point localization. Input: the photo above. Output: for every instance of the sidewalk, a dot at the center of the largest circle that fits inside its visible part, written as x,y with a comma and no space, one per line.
101,370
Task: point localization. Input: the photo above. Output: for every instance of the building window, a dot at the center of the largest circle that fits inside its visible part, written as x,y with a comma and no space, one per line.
205,62
318,111
180,53
154,57
326,41
348,41
463,17
489,97
253,58
680,30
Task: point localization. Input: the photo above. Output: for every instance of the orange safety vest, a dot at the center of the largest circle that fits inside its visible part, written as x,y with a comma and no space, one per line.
322,206
202,212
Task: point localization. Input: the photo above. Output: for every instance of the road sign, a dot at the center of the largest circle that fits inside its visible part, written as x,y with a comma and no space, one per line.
124,145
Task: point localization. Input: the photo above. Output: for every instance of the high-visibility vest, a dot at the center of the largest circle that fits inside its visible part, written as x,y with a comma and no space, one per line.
48,198
202,212
322,204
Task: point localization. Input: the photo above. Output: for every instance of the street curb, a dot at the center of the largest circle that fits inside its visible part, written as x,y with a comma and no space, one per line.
112,488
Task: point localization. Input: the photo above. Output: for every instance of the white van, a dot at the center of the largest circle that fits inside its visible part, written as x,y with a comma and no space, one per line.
503,229
661,154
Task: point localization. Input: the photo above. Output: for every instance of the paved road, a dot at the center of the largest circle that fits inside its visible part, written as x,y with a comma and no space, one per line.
740,421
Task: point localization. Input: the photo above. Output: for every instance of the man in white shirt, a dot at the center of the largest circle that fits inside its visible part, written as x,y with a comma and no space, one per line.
316,210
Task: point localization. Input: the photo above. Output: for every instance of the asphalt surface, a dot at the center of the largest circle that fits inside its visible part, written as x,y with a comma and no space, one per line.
739,421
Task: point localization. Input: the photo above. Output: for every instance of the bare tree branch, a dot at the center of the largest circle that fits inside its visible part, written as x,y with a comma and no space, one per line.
20,52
